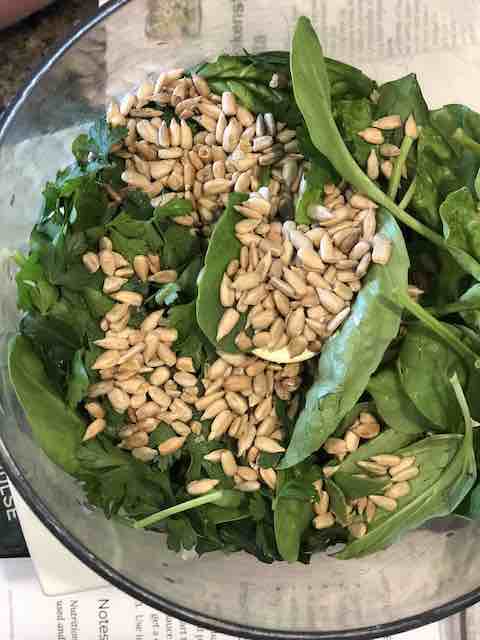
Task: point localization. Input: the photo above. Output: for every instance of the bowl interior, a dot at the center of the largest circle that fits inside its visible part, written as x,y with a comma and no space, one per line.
425,571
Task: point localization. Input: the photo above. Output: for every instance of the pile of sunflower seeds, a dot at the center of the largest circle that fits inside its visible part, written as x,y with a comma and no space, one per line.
297,283
142,377
398,469
227,154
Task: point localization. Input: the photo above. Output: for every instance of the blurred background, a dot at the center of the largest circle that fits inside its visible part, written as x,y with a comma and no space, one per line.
28,34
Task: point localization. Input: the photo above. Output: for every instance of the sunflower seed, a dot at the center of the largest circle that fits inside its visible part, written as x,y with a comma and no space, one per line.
94,428
387,460
91,262
269,477
166,355
398,490
214,409
119,400
228,463
387,504
248,486
220,424
373,169
372,467
366,431
297,346
335,446
406,463
247,473
227,323
406,474
382,249
200,487
247,281
295,323
324,521
358,529
371,135
411,129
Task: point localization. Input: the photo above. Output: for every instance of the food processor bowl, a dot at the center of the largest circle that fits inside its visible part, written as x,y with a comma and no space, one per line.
428,574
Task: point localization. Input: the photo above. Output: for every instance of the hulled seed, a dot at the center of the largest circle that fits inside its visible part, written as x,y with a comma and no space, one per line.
324,521
387,504
171,445
94,428
199,487
248,486
405,463
228,463
358,529
407,474
398,490
372,467
227,323
387,460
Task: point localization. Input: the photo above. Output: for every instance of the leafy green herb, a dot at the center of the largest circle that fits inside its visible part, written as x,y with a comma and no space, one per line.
172,209
350,357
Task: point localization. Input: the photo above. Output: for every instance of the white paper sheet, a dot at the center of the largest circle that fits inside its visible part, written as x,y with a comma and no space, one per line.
108,614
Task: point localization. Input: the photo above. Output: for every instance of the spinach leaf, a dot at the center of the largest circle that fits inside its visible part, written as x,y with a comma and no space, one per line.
338,502
425,365
291,517
394,405
78,381
222,248
447,473
461,228
351,356
472,318
353,486
57,429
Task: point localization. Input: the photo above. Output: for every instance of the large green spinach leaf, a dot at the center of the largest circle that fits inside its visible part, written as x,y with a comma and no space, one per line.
394,405
425,365
57,428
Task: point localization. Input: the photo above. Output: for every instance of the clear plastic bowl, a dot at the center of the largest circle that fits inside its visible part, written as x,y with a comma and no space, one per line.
430,573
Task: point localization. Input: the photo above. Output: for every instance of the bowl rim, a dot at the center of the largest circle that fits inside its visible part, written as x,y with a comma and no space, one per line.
102,568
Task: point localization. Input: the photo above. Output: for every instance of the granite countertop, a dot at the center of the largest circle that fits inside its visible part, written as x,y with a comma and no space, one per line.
25,45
